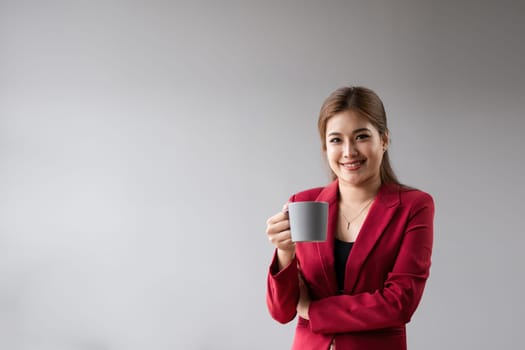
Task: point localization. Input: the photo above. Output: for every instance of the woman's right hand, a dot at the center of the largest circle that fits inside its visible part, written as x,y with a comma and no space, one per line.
278,231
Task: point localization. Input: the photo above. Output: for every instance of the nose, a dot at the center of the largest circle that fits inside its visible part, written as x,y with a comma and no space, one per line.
349,150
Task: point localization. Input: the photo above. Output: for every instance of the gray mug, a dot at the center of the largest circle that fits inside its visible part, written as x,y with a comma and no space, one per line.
308,221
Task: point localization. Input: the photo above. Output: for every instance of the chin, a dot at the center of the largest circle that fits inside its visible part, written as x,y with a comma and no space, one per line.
350,181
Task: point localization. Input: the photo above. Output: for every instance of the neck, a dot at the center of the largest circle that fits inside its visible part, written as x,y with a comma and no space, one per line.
351,194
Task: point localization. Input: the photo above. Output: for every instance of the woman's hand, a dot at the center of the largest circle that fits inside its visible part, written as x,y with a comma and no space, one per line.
278,231
304,300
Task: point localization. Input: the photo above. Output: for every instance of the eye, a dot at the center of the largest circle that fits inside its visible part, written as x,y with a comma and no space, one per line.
334,140
361,137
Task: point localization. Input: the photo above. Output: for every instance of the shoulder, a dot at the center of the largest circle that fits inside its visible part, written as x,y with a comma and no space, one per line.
328,193
306,195
413,194
392,194
415,199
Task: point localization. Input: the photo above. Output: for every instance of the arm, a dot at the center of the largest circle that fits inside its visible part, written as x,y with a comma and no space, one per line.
282,290
394,304
282,284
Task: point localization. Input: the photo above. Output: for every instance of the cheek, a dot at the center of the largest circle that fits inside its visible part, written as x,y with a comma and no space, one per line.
379,156
376,151
331,153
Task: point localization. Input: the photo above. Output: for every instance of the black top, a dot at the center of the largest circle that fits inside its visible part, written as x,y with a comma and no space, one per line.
341,253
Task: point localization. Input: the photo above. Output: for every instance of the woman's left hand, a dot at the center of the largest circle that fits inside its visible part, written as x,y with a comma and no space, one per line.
304,299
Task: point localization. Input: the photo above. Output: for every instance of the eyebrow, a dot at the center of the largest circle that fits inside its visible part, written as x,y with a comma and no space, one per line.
353,132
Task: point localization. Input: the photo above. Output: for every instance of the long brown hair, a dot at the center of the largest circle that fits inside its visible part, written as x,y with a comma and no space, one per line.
365,102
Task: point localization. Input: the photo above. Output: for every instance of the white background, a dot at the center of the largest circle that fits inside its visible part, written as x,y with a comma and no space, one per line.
143,144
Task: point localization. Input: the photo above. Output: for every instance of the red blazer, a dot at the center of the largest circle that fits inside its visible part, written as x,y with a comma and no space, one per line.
385,274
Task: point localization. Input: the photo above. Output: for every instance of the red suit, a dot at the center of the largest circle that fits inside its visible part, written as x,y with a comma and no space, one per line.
384,278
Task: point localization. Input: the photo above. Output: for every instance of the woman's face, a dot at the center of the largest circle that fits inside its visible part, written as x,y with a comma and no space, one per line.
354,148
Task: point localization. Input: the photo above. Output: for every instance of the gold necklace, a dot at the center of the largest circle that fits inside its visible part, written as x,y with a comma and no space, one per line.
358,214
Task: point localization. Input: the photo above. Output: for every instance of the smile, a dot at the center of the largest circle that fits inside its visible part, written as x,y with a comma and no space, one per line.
353,165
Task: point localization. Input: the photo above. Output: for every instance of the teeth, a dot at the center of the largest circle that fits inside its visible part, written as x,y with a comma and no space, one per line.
352,165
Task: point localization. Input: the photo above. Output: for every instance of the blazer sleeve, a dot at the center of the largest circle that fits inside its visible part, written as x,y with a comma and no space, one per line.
283,291
394,304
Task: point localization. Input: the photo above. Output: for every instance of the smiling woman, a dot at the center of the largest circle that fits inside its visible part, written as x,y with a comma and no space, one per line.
354,148
363,104
359,288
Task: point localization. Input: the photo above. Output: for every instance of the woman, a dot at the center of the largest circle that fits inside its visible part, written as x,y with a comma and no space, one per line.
359,288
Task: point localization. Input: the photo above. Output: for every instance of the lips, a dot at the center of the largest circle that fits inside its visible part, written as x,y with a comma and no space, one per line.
353,165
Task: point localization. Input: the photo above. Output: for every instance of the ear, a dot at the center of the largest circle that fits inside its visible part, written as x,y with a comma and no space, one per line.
385,140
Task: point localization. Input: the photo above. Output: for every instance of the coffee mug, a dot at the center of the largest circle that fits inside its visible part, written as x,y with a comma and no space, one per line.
308,221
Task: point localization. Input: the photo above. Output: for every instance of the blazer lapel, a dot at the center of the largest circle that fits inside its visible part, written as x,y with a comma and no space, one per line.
325,249
378,217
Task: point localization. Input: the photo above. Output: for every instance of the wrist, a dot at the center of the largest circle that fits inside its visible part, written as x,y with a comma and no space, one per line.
303,308
285,257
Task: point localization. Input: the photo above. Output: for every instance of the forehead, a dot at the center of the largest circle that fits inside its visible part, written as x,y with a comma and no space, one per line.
347,121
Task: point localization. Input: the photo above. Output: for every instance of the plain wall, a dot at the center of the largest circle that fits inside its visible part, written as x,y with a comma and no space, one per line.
143,144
